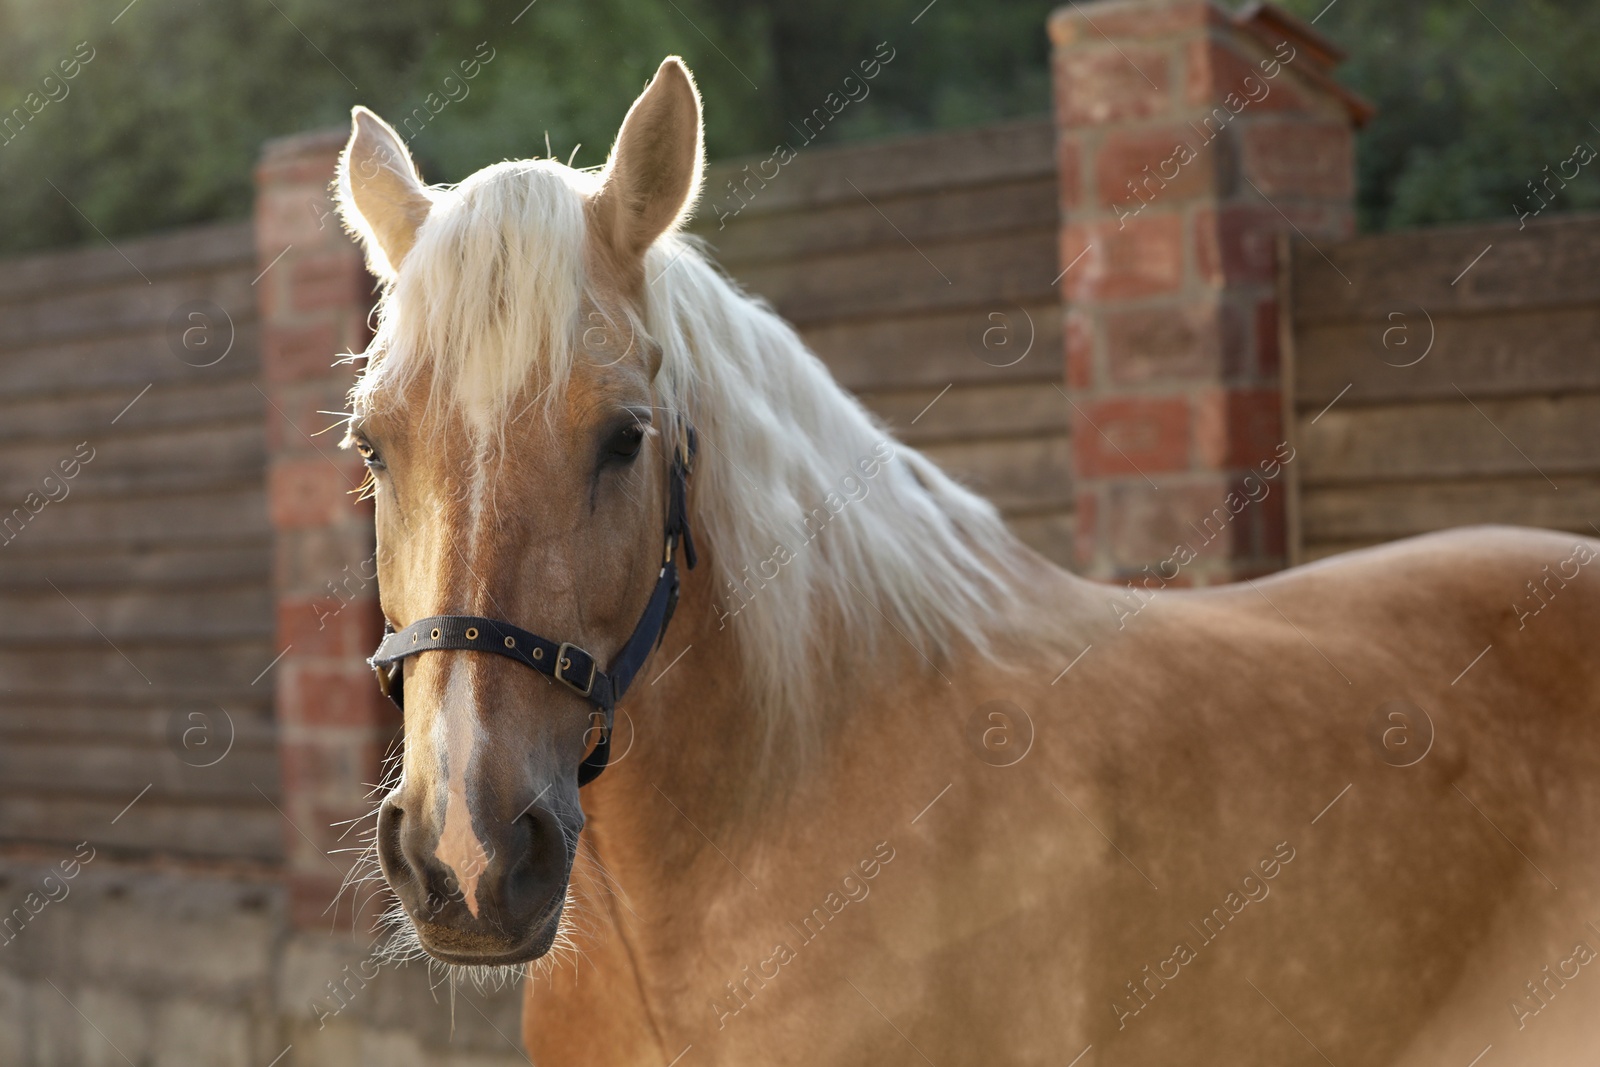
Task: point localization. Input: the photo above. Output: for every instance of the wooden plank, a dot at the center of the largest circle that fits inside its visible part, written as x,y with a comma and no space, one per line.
1289,372
937,348
75,312
1383,512
130,695
1417,441
162,547
138,616
986,274
1032,474
128,361
86,768
1553,262
238,513
969,412
1049,533
153,825
181,403
88,673
946,160
200,249
24,565
164,722
1506,353
923,218
182,459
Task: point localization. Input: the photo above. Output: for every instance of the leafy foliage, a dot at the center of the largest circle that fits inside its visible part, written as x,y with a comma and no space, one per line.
162,126
1476,98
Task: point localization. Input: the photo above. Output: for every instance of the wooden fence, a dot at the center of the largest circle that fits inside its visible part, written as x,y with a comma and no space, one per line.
136,616
1438,377
135,552
1446,376
921,270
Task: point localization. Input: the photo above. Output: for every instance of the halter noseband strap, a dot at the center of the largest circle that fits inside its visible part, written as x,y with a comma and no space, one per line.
562,661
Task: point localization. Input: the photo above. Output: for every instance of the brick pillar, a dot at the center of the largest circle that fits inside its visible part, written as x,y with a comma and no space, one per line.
1189,140
314,298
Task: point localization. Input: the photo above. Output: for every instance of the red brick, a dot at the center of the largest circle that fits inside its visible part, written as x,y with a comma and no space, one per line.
1266,339
295,353
298,422
1144,526
1255,425
1237,244
1142,258
1236,429
327,781
1173,343
313,169
1070,26
355,331
1086,536
1131,436
1096,86
1272,525
1215,69
1287,159
334,279
343,696
342,623
1135,169
310,492
300,417
1079,336
305,559
1069,172
298,215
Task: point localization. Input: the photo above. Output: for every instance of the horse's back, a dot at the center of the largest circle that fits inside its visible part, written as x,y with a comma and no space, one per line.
1418,722
1531,595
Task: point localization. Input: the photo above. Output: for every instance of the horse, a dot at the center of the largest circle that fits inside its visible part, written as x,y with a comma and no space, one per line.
882,785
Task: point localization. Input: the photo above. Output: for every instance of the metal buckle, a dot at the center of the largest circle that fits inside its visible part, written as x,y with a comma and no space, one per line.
390,681
564,661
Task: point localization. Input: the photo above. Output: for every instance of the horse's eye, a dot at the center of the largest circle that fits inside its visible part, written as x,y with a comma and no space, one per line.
624,443
368,454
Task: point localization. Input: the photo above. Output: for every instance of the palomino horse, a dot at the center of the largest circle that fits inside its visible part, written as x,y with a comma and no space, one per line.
893,789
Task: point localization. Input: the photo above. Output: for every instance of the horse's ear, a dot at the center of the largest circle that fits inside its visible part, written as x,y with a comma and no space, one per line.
651,181
381,197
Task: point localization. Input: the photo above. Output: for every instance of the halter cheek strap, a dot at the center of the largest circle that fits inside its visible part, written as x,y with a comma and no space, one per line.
563,661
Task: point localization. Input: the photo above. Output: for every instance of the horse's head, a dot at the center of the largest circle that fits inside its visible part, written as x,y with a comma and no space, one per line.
520,449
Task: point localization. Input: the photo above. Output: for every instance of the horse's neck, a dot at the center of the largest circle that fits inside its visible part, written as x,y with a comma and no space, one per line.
708,834
701,777
687,750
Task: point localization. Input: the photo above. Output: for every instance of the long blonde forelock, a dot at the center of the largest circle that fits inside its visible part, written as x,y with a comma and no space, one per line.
489,297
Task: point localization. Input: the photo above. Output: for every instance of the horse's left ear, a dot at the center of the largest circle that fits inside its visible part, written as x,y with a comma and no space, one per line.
653,176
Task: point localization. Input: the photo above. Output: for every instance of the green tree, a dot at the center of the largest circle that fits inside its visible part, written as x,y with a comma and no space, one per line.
1475,99
162,126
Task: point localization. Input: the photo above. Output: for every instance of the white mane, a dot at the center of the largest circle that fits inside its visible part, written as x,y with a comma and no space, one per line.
491,294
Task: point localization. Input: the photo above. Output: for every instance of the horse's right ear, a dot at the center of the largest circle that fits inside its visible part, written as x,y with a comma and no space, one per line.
381,196
651,181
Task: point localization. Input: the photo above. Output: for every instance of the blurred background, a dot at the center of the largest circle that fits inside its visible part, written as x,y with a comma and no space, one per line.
1361,302
181,96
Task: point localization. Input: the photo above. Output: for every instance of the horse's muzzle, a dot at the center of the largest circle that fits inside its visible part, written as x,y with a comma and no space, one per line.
518,888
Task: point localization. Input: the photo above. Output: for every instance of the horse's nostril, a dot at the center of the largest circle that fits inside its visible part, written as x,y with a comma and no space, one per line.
538,867
398,867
